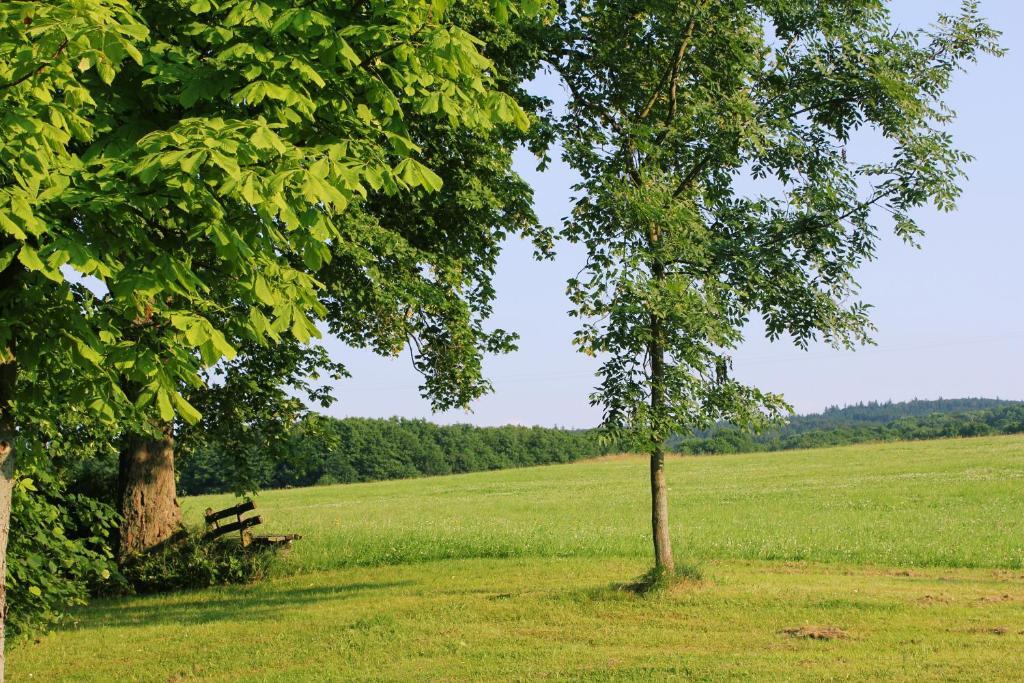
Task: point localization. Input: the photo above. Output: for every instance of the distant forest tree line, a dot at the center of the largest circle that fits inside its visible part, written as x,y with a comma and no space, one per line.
324,450
907,421
327,450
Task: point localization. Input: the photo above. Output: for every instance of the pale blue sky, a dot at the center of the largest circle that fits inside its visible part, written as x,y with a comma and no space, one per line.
950,316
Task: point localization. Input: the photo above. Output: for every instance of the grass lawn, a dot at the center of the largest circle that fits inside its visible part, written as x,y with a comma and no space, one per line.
907,560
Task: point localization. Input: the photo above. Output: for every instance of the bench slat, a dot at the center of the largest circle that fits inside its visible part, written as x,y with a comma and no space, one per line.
234,526
212,517
275,540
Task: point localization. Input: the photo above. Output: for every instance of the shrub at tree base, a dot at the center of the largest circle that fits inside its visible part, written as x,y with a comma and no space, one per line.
194,562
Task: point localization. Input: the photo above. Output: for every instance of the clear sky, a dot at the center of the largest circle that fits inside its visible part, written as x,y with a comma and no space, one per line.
950,316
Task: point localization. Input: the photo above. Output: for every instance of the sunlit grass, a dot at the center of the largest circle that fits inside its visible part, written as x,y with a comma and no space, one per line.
950,503
878,562
537,619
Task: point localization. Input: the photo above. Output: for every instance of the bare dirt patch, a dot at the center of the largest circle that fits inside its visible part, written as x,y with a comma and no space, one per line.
815,632
992,630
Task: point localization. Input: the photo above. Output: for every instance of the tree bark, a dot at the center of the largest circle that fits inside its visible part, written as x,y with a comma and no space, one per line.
6,489
659,491
149,508
8,377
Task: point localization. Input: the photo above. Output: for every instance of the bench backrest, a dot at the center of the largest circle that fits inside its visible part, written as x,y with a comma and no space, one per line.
235,511
215,529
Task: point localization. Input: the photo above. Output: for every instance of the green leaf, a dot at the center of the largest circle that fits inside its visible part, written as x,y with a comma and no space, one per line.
263,291
264,138
188,164
163,402
346,51
415,174
258,322
29,258
185,409
105,71
10,227
7,255
88,352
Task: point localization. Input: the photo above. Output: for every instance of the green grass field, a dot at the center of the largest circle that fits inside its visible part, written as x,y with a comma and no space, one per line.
907,559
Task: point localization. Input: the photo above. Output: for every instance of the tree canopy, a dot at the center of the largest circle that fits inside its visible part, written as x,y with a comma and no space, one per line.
233,136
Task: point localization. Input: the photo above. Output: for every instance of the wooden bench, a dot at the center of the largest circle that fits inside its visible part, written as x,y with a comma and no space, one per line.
216,529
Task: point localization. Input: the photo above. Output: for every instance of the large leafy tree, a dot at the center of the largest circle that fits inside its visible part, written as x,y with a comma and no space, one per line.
173,174
413,272
739,159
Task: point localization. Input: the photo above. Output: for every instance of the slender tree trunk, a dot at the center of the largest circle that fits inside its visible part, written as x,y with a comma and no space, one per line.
146,490
7,377
659,491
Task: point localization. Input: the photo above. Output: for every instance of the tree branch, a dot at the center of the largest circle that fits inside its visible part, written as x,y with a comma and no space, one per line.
374,56
674,84
577,96
37,70
696,170
826,103
671,73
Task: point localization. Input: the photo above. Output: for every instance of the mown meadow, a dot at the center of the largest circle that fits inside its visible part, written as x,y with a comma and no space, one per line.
946,503
897,560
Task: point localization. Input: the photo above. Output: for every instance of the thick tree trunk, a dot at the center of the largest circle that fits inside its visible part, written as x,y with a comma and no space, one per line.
659,491
7,377
146,491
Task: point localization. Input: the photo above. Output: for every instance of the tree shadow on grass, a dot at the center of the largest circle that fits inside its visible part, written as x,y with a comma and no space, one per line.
235,603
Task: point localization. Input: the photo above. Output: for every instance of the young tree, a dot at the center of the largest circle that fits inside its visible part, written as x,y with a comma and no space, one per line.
181,155
738,159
